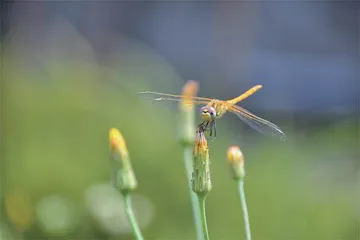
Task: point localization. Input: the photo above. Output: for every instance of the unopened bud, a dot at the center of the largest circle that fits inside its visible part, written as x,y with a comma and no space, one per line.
187,113
236,162
123,174
117,143
201,182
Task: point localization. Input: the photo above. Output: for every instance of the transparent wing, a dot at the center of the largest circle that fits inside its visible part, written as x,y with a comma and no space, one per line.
155,96
170,97
257,123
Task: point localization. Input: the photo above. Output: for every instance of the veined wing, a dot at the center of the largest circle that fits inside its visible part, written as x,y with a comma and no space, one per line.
257,123
157,96
171,97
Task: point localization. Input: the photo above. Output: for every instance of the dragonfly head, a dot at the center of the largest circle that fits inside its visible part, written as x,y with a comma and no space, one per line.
208,113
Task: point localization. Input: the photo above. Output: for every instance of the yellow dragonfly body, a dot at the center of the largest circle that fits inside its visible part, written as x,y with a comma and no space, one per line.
215,108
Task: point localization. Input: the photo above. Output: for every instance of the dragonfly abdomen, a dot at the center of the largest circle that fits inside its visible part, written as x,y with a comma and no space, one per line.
246,94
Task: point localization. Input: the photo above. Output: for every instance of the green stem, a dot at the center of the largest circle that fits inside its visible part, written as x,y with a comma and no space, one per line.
188,157
203,216
245,210
131,217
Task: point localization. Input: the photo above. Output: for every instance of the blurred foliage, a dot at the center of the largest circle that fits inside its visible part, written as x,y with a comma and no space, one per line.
57,109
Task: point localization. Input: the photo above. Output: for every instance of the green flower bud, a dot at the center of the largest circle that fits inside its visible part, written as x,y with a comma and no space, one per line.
201,182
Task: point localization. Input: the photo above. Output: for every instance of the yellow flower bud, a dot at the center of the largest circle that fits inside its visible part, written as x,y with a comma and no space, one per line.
236,161
201,145
189,90
187,114
123,174
235,155
117,142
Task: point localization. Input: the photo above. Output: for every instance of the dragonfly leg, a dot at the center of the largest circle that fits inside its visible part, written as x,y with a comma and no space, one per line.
202,127
211,137
214,126
211,128
206,125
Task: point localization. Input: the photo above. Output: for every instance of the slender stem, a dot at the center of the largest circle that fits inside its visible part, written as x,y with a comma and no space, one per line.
188,157
203,216
245,210
131,217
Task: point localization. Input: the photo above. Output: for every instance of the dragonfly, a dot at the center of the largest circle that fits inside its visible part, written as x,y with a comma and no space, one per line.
213,109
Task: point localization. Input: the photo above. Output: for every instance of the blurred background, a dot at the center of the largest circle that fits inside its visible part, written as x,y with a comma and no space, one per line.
70,70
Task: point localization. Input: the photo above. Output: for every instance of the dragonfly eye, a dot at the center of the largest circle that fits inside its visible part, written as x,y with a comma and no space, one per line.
212,111
204,110
207,113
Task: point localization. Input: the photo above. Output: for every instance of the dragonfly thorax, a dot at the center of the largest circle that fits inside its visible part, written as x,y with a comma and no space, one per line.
219,106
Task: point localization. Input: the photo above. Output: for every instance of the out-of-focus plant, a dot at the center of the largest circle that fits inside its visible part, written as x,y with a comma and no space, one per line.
123,177
187,135
19,210
236,161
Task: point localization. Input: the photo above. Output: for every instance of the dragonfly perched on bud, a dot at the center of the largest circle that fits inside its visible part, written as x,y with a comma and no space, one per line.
215,108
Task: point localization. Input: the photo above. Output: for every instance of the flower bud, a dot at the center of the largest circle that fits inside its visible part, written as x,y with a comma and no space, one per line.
117,143
236,162
201,182
123,174
187,113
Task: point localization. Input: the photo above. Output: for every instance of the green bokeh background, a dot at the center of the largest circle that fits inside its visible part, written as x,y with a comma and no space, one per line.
57,108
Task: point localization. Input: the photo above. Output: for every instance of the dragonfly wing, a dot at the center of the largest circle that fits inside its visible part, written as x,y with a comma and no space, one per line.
257,123
155,95
171,99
